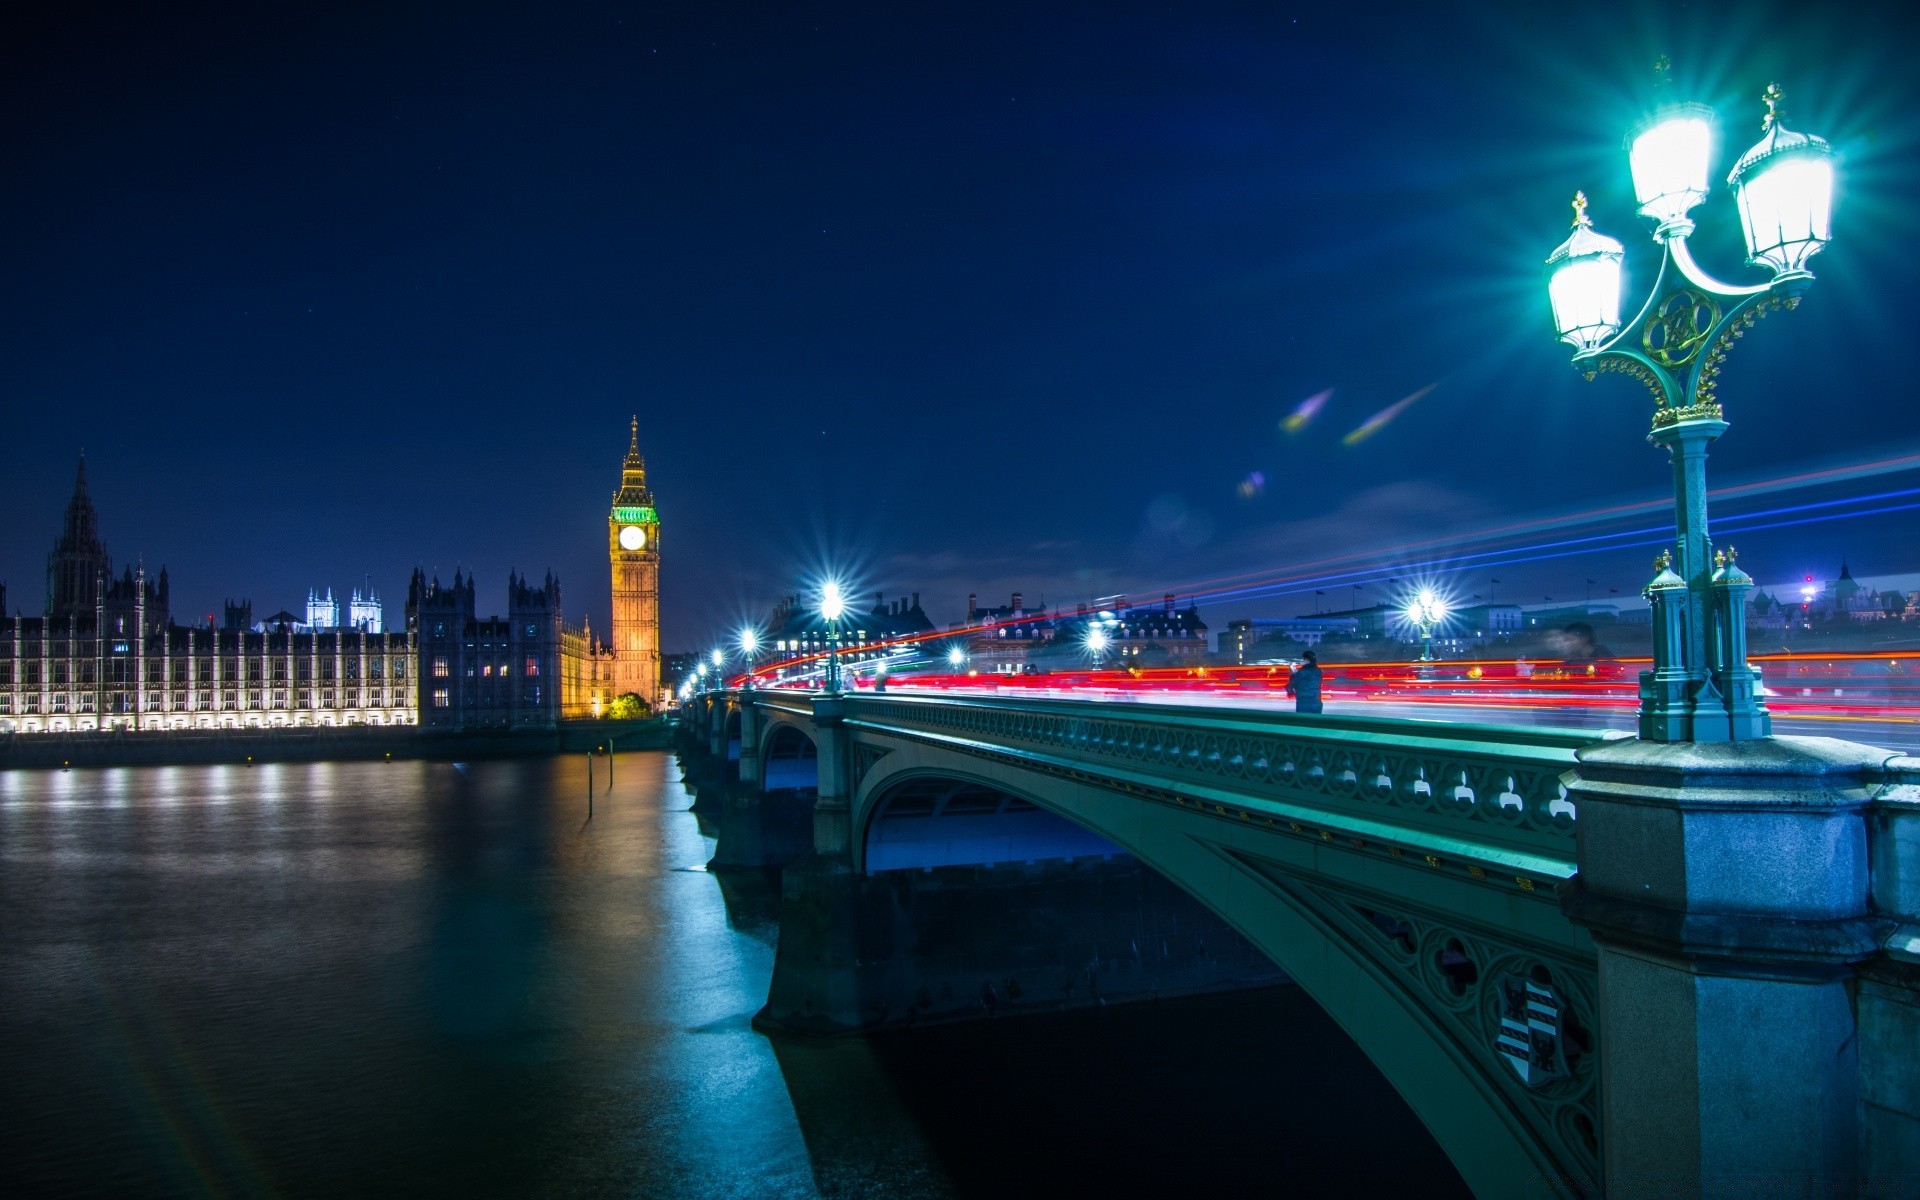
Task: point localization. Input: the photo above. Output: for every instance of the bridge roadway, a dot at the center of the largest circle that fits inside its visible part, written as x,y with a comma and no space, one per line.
1418,879
1900,733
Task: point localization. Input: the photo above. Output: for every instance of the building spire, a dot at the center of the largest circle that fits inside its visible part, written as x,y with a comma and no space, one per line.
633,473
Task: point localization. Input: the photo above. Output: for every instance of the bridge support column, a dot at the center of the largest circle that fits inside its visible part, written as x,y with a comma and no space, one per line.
832,815
717,729
1726,888
1889,996
859,953
749,741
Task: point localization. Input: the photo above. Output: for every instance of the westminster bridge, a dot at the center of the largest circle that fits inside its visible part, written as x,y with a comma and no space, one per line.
1589,964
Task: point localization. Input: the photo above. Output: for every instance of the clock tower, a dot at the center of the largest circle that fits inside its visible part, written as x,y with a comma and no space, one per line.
633,548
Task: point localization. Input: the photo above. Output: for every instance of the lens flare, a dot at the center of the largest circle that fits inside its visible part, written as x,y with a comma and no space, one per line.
1298,418
1384,417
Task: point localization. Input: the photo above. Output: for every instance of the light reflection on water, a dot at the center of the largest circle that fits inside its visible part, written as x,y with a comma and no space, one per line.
432,978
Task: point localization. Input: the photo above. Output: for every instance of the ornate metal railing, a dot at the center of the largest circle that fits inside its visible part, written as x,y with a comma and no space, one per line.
1496,785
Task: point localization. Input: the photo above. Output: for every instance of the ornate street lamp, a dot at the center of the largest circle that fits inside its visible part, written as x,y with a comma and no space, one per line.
1701,687
749,645
832,604
1424,612
1097,641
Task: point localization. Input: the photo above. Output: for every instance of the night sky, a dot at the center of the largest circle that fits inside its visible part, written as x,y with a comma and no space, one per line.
943,298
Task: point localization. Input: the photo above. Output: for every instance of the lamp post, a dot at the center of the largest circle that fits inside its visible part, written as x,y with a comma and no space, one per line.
832,604
1701,687
956,658
1097,640
1424,612
749,645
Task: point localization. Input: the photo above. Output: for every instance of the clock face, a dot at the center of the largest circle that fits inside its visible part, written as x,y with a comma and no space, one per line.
632,537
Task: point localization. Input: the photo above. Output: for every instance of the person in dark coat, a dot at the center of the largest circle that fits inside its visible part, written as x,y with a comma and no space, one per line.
1304,684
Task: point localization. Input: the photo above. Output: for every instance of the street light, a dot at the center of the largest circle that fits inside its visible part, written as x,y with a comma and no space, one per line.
749,645
1701,687
1424,612
832,604
1097,641
956,658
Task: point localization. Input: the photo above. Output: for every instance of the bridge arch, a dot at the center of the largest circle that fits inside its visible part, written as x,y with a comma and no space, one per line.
730,733
1325,946
789,757
929,819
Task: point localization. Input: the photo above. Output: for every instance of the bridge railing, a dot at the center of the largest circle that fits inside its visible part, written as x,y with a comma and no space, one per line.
1488,785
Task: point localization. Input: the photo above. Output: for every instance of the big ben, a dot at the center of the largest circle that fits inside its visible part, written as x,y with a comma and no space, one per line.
633,548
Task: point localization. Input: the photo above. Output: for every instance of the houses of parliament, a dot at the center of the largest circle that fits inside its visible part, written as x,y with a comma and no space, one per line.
108,655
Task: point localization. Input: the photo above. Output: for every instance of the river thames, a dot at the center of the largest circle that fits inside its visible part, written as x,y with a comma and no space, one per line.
435,978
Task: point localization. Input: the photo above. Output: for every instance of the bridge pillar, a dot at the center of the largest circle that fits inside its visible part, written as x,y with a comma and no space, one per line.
1726,887
832,813
749,741
1889,996
717,727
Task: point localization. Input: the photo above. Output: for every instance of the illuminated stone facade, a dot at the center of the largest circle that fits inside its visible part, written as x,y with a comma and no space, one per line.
633,550
107,655
72,674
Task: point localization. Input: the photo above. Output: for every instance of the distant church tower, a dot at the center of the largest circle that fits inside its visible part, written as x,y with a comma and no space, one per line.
633,547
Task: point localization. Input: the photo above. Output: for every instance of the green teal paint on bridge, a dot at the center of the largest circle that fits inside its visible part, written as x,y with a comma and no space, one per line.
1473,902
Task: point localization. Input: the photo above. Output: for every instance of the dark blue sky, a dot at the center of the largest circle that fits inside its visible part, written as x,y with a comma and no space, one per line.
955,298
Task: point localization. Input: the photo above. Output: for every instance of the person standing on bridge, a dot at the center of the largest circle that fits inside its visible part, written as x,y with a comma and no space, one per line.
1304,684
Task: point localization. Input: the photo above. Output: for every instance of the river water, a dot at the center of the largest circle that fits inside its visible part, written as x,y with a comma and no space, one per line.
442,979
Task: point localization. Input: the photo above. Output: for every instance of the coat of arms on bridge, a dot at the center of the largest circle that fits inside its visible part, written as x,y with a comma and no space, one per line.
1530,1038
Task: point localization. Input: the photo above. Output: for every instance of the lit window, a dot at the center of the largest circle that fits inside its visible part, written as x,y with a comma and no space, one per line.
439,697
440,666
486,668
533,665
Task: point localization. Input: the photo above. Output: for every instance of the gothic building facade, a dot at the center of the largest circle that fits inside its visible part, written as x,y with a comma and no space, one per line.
107,655
528,669
633,552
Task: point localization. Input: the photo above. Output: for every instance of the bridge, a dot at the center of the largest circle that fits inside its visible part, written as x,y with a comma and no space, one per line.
1589,963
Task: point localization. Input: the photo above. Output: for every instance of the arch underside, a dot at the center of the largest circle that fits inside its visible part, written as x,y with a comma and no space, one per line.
789,758
1429,972
940,821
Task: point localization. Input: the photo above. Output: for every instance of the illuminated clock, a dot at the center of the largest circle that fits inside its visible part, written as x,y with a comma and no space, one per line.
632,537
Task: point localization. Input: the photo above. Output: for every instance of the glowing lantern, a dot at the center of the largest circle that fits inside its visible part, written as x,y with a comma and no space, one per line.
1583,282
1669,156
1784,187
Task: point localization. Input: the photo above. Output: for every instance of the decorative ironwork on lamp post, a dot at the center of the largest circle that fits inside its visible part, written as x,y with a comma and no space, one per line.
1701,687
